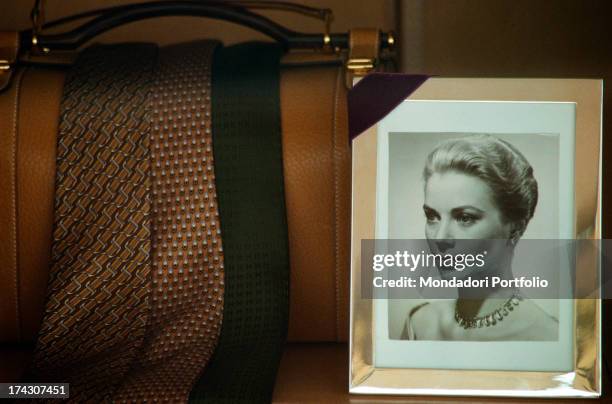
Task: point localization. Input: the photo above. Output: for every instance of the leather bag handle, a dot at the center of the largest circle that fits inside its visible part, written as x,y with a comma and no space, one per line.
238,12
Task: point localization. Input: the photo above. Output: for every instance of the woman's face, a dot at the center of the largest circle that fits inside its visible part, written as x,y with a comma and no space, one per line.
461,207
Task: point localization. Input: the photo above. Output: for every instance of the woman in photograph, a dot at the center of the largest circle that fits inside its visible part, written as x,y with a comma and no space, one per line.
480,194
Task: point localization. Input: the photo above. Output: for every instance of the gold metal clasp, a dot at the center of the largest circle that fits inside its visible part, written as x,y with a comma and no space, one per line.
363,53
358,67
5,65
361,65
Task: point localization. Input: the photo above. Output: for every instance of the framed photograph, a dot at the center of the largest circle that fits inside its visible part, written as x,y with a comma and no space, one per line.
475,265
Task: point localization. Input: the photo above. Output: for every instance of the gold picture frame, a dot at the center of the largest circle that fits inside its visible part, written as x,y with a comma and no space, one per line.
585,378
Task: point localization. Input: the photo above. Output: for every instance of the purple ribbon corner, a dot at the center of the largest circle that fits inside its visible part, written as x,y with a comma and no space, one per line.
376,95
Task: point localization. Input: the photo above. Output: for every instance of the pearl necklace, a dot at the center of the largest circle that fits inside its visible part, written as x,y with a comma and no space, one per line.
491,319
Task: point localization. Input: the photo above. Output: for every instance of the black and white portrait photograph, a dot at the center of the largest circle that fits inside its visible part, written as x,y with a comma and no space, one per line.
469,178
474,186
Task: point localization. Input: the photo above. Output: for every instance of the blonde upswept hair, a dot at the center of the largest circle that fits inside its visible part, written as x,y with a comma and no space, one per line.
499,164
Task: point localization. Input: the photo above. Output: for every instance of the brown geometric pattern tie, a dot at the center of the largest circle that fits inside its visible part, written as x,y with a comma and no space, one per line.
97,302
187,255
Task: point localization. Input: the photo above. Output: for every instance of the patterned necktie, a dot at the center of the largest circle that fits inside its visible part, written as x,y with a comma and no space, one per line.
97,299
187,264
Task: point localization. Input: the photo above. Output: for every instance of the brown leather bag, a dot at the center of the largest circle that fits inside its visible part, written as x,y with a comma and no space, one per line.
316,171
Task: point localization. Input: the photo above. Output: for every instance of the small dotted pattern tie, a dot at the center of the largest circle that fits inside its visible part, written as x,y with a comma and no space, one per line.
98,292
187,278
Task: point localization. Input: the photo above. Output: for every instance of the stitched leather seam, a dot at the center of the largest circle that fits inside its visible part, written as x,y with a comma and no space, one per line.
336,202
14,198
